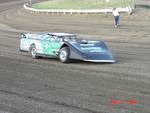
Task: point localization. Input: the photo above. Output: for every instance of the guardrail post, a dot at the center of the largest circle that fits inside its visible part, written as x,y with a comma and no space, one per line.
71,11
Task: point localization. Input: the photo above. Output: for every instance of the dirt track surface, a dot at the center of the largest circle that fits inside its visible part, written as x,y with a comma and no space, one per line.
48,86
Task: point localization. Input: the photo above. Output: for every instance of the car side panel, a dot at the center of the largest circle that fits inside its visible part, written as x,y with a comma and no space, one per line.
25,44
49,47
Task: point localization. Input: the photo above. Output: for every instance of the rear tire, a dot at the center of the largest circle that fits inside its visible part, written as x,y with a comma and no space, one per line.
64,55
33,52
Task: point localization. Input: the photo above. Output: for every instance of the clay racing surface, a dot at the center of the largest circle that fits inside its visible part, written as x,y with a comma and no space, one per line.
48,86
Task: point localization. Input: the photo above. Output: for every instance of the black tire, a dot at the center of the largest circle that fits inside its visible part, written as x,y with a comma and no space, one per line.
64,55
33,52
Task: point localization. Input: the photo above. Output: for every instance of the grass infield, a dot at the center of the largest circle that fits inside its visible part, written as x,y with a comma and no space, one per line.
82,4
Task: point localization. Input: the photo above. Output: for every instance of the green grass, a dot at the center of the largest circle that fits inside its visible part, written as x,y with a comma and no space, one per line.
82,4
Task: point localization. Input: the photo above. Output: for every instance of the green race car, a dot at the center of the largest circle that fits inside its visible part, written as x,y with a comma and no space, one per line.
64,46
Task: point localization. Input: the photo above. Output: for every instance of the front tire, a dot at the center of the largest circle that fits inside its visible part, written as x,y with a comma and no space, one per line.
64,55
33,52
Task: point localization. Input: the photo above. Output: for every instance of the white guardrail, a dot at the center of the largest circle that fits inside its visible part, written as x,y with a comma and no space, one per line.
71,11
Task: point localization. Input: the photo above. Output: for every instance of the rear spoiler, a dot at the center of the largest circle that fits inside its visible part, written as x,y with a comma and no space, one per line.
23,35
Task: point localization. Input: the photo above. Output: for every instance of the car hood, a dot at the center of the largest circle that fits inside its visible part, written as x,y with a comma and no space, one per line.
95,51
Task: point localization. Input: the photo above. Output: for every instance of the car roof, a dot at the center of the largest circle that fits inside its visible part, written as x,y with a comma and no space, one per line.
43,35
62,34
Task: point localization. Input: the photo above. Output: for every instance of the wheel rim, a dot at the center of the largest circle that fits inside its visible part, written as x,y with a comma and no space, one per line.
63,55
33,52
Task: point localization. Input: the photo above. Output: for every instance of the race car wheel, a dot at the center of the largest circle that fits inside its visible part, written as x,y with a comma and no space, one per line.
64,55
33,52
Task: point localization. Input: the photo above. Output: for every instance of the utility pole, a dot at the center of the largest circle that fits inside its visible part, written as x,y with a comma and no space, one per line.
124,3
133,4
30,3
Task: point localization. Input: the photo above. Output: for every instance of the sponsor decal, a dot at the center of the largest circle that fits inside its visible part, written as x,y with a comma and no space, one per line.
85,45
92,49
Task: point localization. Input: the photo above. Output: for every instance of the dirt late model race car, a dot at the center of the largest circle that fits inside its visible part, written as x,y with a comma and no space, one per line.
64,46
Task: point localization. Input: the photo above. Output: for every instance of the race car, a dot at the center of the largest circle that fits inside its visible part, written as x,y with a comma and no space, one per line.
65,47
